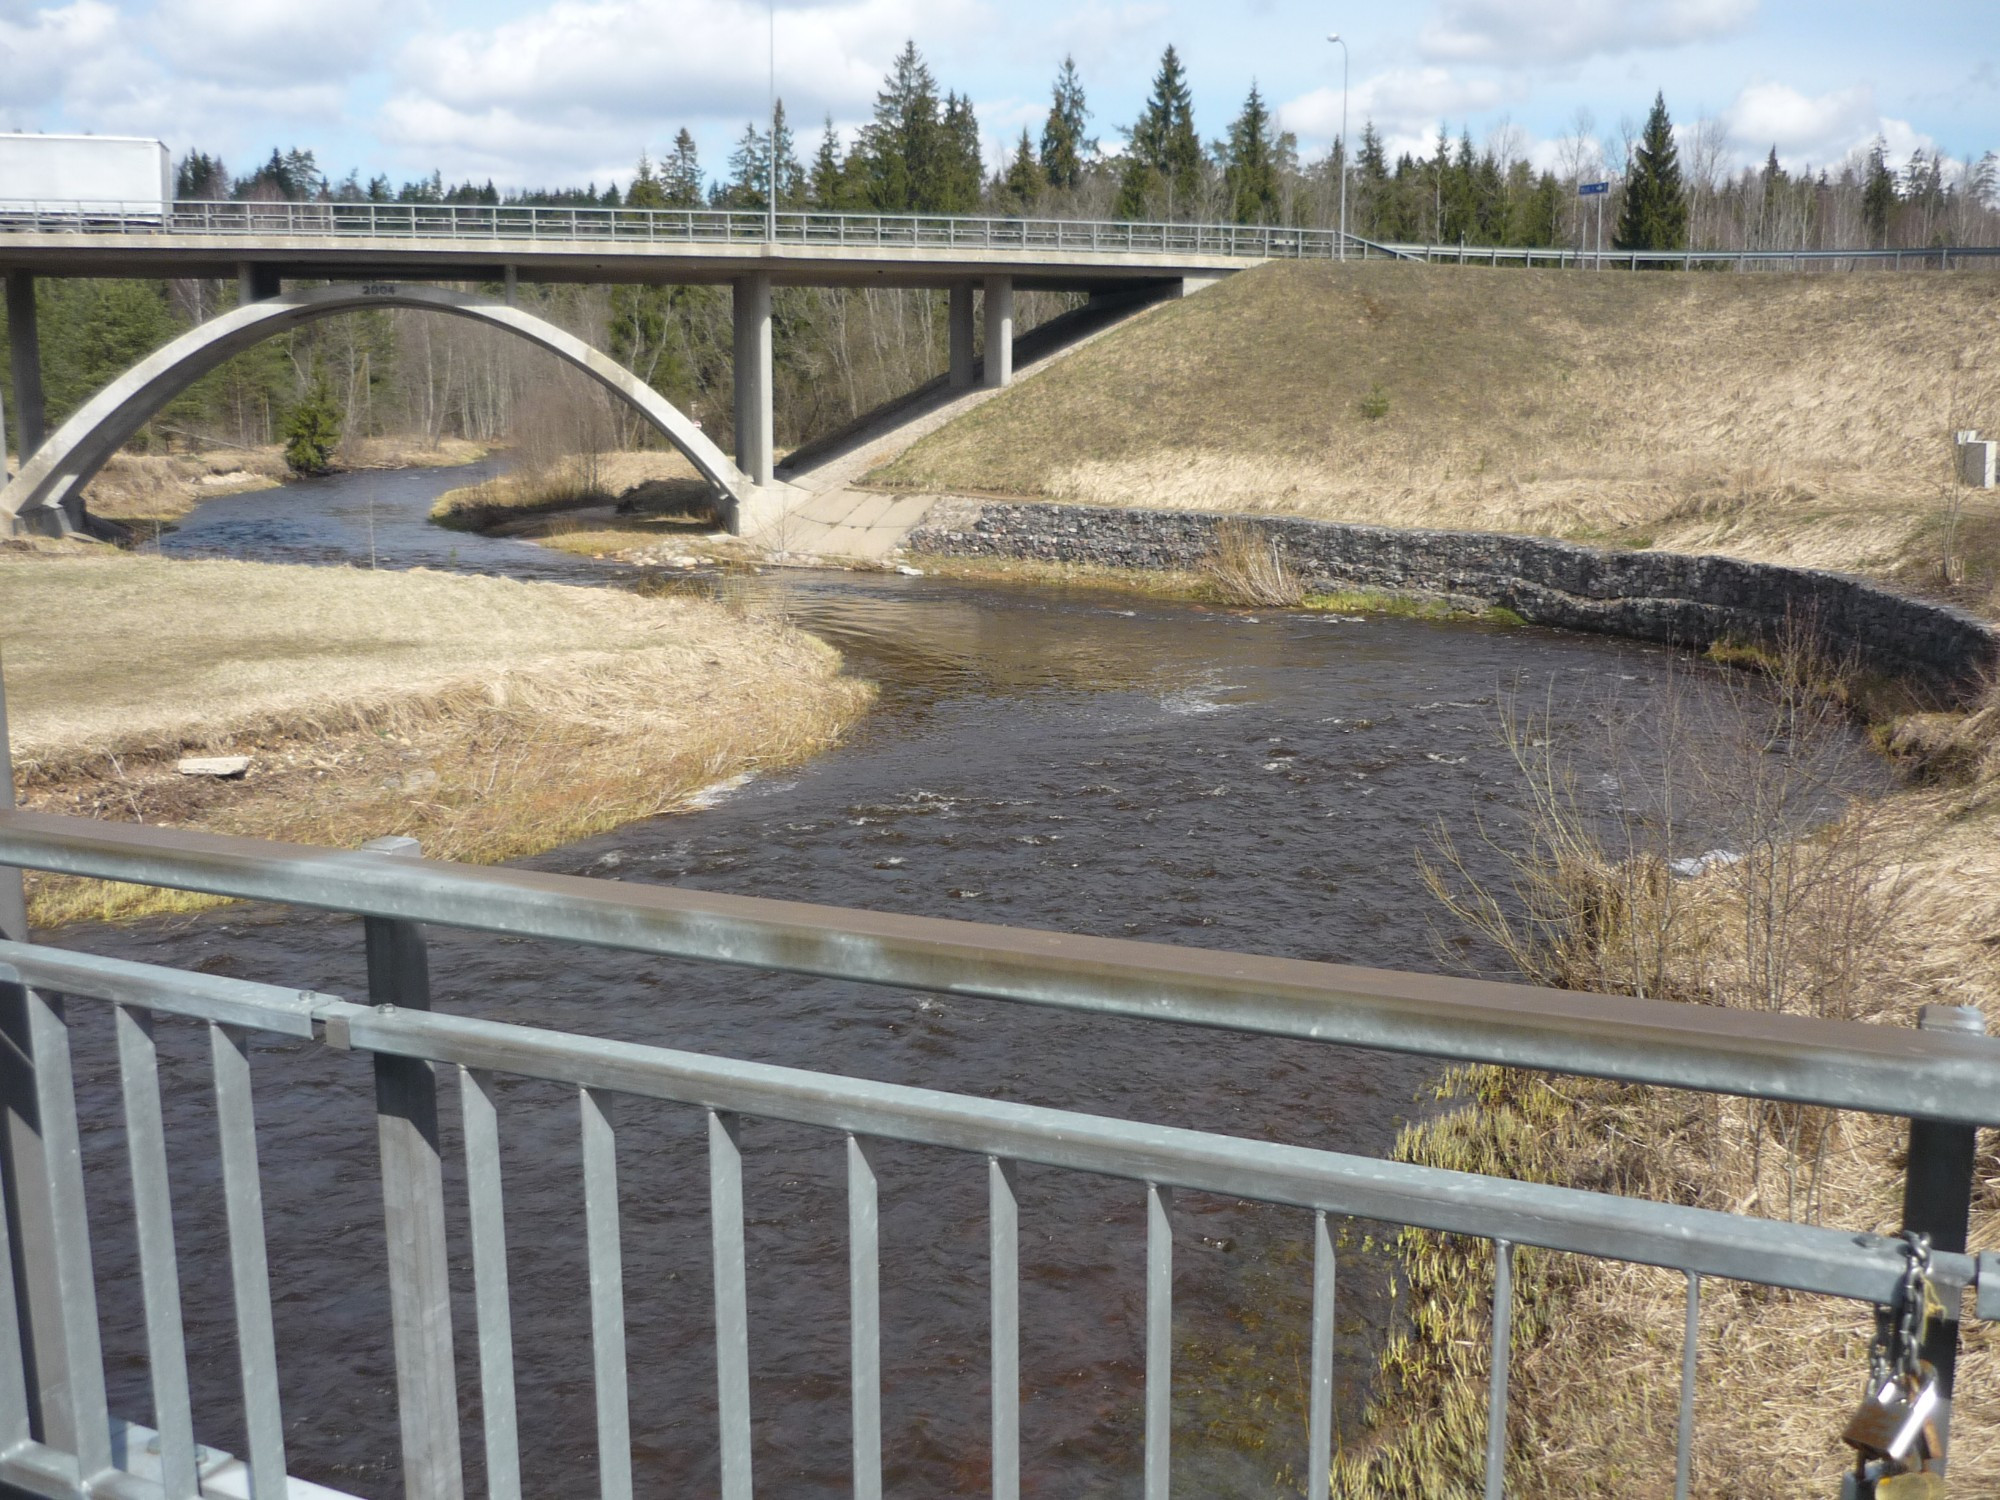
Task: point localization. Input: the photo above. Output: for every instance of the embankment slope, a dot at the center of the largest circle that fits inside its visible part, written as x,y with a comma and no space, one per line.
1797,418
487,718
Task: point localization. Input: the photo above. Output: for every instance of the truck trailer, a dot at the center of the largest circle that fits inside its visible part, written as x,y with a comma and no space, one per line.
95,175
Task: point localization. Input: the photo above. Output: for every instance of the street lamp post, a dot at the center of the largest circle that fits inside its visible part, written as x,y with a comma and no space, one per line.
1336,37
771,186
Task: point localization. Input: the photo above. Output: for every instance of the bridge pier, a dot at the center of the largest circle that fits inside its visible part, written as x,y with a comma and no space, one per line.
999,331
257,283
962,330
30,421
752,298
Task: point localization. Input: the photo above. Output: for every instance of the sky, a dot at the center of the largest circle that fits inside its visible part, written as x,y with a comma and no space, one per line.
554,92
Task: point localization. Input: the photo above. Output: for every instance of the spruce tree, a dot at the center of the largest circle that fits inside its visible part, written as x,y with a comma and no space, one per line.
1164,159
1064,145
829,172
1249,168
1878,194
1025,177
312,429
903,147
1655,214
681,181
646,190
961,171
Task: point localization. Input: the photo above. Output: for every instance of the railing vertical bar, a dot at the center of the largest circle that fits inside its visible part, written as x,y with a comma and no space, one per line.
55,1100
1690,1353
1159,1338
250,1274
15,1424
489,1281
732,1302
1004,1247
1496,1403
607,1296
159,1271
1319,1448
864,1297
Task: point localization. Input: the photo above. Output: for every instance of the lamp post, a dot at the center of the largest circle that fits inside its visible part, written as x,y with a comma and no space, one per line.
1336,37
771,185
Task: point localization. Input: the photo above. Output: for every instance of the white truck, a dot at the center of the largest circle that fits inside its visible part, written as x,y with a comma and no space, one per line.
98,176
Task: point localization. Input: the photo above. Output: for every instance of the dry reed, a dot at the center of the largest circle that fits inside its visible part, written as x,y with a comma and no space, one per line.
1246,567
1866,915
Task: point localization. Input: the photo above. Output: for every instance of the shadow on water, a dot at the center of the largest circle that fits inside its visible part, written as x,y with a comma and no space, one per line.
1071,760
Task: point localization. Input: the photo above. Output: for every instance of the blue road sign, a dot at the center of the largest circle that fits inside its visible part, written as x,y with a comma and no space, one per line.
1592,189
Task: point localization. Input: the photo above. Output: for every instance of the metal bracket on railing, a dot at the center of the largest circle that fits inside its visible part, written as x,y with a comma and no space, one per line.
1987,1277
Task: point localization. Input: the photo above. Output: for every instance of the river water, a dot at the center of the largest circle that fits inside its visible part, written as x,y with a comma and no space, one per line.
1077,760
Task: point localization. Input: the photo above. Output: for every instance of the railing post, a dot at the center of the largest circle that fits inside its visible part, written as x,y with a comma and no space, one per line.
1937,1201
29,1208
406,1117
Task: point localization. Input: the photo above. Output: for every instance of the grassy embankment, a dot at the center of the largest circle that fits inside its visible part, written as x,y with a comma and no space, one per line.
1802,419
486,718
1795,419
143,489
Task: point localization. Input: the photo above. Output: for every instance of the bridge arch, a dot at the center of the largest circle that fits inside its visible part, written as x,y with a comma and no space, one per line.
35,499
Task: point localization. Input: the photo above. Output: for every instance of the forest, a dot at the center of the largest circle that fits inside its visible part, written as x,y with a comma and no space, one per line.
840,352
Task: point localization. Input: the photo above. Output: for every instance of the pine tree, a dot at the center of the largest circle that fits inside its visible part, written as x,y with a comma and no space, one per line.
1655,213
1025,177
1249,170
200,178
902,148
1164,159
1064,145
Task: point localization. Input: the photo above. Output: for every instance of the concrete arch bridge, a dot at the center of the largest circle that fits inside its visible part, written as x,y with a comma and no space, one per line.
46,495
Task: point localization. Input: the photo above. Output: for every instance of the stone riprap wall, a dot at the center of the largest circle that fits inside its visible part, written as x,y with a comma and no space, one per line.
1683,599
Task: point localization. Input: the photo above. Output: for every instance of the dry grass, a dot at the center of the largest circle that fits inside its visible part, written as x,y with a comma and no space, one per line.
161,487
1893,906
640,483
485,717
1802,417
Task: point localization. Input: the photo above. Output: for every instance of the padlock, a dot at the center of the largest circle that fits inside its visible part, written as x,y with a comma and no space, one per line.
1917,1439
1880,1420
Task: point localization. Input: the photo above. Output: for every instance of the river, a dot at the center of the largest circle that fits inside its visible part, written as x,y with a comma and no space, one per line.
1082,760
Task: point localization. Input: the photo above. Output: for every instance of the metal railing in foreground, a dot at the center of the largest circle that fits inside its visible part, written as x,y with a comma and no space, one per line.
635,228
1951,1079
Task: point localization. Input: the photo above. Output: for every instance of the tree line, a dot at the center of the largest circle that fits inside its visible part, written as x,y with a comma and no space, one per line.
920,152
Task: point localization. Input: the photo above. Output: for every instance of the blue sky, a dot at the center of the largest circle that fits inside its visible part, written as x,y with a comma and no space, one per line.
529,92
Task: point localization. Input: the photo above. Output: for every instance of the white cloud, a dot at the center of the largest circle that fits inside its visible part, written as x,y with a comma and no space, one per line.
1565,31
559,85
1407,106
1815,129
40,52
256,40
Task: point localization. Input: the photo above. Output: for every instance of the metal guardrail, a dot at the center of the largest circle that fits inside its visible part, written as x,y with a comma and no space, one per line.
1953,1078
637,228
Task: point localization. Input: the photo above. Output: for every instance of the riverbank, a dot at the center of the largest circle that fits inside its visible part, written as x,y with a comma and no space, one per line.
1795,419
147,489
486,718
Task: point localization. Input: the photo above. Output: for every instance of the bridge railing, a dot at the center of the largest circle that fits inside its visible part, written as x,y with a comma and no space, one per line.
633,229
58,1437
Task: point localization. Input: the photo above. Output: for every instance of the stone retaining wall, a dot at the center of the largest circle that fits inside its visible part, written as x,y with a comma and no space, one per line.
1681,598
